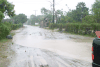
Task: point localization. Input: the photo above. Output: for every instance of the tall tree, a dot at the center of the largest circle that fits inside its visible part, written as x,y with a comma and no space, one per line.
21,18
44,11
47,14
80,12
59,14
96,10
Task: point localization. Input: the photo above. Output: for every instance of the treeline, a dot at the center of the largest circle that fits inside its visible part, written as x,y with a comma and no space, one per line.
81,14
76,20
34,19
14,21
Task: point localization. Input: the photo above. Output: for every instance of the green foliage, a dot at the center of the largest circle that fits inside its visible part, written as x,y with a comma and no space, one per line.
45,11
88,19
6,27
1,16
52,26
16,26
6,8
66,19
34,19
4,30
10,9
21,18
78,28
80,12
96,10
60,27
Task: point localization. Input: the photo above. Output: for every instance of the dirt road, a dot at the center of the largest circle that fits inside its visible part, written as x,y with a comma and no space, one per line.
37,47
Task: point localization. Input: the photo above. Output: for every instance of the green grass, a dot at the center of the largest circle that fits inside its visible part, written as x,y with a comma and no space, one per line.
4,40
77,34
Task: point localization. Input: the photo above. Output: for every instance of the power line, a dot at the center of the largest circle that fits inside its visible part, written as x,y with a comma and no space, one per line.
54,14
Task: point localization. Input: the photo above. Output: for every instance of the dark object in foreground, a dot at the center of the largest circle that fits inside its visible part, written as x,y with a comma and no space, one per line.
9,37
96,52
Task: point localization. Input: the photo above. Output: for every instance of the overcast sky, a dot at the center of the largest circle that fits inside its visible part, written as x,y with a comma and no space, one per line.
27,7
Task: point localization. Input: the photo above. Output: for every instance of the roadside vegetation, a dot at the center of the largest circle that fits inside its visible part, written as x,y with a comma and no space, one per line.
82,20
79,21
13,22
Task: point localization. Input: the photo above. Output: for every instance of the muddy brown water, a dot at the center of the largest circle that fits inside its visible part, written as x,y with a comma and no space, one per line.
38,47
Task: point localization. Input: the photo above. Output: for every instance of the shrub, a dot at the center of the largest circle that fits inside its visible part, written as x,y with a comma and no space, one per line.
6,27
4,30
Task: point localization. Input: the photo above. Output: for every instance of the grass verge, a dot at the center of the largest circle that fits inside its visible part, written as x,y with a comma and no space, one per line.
7,40
77,34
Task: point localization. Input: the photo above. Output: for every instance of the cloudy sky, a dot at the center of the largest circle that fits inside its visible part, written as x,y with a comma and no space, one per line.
28,6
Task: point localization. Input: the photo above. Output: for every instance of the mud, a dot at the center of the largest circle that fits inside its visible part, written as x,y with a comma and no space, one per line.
38,47
5,52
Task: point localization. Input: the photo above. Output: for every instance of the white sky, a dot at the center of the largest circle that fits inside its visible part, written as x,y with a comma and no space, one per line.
27,7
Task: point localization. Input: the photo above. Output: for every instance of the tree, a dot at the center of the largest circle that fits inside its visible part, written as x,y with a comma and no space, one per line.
21,18
58,13
34,19
6,8
96,10
47,14
80,12
88,19
45,11
1,16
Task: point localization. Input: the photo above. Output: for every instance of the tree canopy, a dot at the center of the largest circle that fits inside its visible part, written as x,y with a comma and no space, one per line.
6,8
96,10
21,18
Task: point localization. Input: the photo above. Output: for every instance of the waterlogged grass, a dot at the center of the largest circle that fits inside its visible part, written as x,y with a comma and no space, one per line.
5,51
77,34
4,40
50,29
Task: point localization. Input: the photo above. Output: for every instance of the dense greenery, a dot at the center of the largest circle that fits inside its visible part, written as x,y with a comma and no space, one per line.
6,8
79,21
33,19
14,21
80,14
21,18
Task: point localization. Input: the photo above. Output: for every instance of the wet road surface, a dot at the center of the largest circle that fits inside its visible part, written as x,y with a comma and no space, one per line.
37,47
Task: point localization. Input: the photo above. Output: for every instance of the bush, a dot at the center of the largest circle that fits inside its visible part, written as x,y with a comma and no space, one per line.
4,30
6,27
60,27
16,26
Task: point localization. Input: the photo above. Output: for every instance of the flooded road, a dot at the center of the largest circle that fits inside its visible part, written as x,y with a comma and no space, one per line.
37,47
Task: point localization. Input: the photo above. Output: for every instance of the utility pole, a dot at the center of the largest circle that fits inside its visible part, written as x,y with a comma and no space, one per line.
35,12
35,15
53,10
